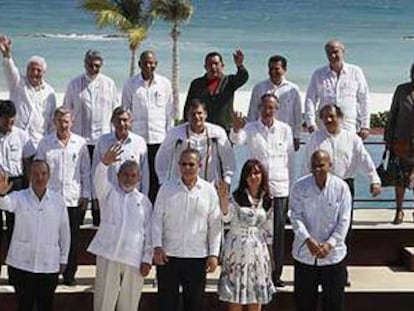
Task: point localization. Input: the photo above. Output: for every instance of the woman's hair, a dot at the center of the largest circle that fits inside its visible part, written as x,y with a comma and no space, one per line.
240,195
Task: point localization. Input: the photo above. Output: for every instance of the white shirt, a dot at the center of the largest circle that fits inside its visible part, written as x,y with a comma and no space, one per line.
151,107
273,146
35,106
14,147
349,91
347,153
124,234
186,223
133,148
217,156
321,214
41,235
91,102
70,168
290,110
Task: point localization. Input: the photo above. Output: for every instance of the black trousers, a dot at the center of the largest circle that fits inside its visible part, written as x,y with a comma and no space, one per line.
280,209
190,273
154,183
348,238
96,214
33,289
74,214
307,278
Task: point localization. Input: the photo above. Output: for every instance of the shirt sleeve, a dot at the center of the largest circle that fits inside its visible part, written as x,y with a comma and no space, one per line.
297,114
364,162
144,169
64,234
51,100
363,99
148,250
239,138
11,73
226,157
85,171
214,226
297,208
240,78
253,112
164,159
157,221
126,97
9,202
102,182
170,112
311,101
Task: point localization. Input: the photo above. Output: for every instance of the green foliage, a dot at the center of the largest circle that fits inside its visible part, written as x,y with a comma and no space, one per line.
379,119
173,11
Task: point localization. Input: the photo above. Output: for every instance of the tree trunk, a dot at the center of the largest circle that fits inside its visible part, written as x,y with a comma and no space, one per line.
132,61
175,71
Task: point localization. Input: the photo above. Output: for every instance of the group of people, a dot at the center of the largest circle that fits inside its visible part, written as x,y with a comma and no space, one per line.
160,193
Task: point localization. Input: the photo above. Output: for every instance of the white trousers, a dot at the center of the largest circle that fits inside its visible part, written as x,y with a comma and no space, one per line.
116,286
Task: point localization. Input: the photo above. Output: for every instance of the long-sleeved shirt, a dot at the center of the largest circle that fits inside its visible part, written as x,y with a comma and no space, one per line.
220,102
14,147
70,168
91,102
290,110
217,155
41,235
273,146
186,223
349,91
35,106
133,148
347,153
151,107
124,234
320,214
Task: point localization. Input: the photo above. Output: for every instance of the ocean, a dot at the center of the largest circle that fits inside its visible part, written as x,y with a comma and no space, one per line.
378,36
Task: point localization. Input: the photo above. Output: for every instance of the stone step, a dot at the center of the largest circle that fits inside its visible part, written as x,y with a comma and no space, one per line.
408,258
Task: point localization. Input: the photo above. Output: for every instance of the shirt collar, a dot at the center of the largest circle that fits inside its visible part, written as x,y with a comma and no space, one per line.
127,140
282,83
344,69
316,187
38,88
89,79
265,128
56,138
197,185
142,81
33,194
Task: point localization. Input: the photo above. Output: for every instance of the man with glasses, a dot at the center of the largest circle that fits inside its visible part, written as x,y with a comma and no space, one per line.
91,98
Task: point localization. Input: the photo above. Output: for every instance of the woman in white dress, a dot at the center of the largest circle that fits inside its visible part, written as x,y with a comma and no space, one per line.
245,264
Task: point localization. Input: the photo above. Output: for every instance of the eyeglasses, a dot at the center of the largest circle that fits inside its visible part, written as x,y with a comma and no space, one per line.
190,164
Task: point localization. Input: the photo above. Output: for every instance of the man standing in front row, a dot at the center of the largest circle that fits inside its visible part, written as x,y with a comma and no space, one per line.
186,232
321,211
41,239
122,244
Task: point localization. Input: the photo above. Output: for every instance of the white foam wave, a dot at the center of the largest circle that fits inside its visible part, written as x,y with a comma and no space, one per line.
78,36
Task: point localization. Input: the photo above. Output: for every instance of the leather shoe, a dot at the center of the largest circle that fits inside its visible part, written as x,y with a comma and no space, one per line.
69,282
399,217
280,283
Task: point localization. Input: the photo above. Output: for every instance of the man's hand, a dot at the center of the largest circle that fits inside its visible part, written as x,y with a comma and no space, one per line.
296,143
112,155
5,185
313,246
211,264
238,121
238,57
160,257
5,46
145,268
375,189
324,250
363,133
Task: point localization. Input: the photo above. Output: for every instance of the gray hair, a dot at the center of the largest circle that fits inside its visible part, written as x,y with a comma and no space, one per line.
37,60
129,164
93,54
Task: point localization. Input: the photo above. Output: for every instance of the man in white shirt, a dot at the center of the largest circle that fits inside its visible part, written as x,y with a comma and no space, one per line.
70,175
290,110
123,241
16,151
321,211
217,156
35,100
270,141
91,98
342,84
133,148
186,232
148,96
41,238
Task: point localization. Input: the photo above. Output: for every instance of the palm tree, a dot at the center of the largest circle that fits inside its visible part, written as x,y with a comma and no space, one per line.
131,17
175,12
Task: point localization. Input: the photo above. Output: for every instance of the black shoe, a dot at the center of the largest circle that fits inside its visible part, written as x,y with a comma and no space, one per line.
280,283
69,282
348,283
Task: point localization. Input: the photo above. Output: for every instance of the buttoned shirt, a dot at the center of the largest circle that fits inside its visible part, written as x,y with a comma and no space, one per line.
41,234
320,214
347,153
273,146
35,106
349,91
124,234
290,107
217,156
70,169
151,107
14,147
186,222
133,148
91,102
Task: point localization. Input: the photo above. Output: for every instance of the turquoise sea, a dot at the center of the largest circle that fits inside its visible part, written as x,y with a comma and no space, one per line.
378,35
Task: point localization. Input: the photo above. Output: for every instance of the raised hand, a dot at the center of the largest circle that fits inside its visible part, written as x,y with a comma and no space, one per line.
112,155
238,57
5,185
238,121
5,45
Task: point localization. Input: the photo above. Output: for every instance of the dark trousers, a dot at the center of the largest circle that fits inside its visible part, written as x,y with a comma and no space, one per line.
74,214
154,183
348,238
96,215
33,289
280,209
306,281
190,273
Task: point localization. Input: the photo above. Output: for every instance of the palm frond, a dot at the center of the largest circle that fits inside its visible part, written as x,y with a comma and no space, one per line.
174,11
136,36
